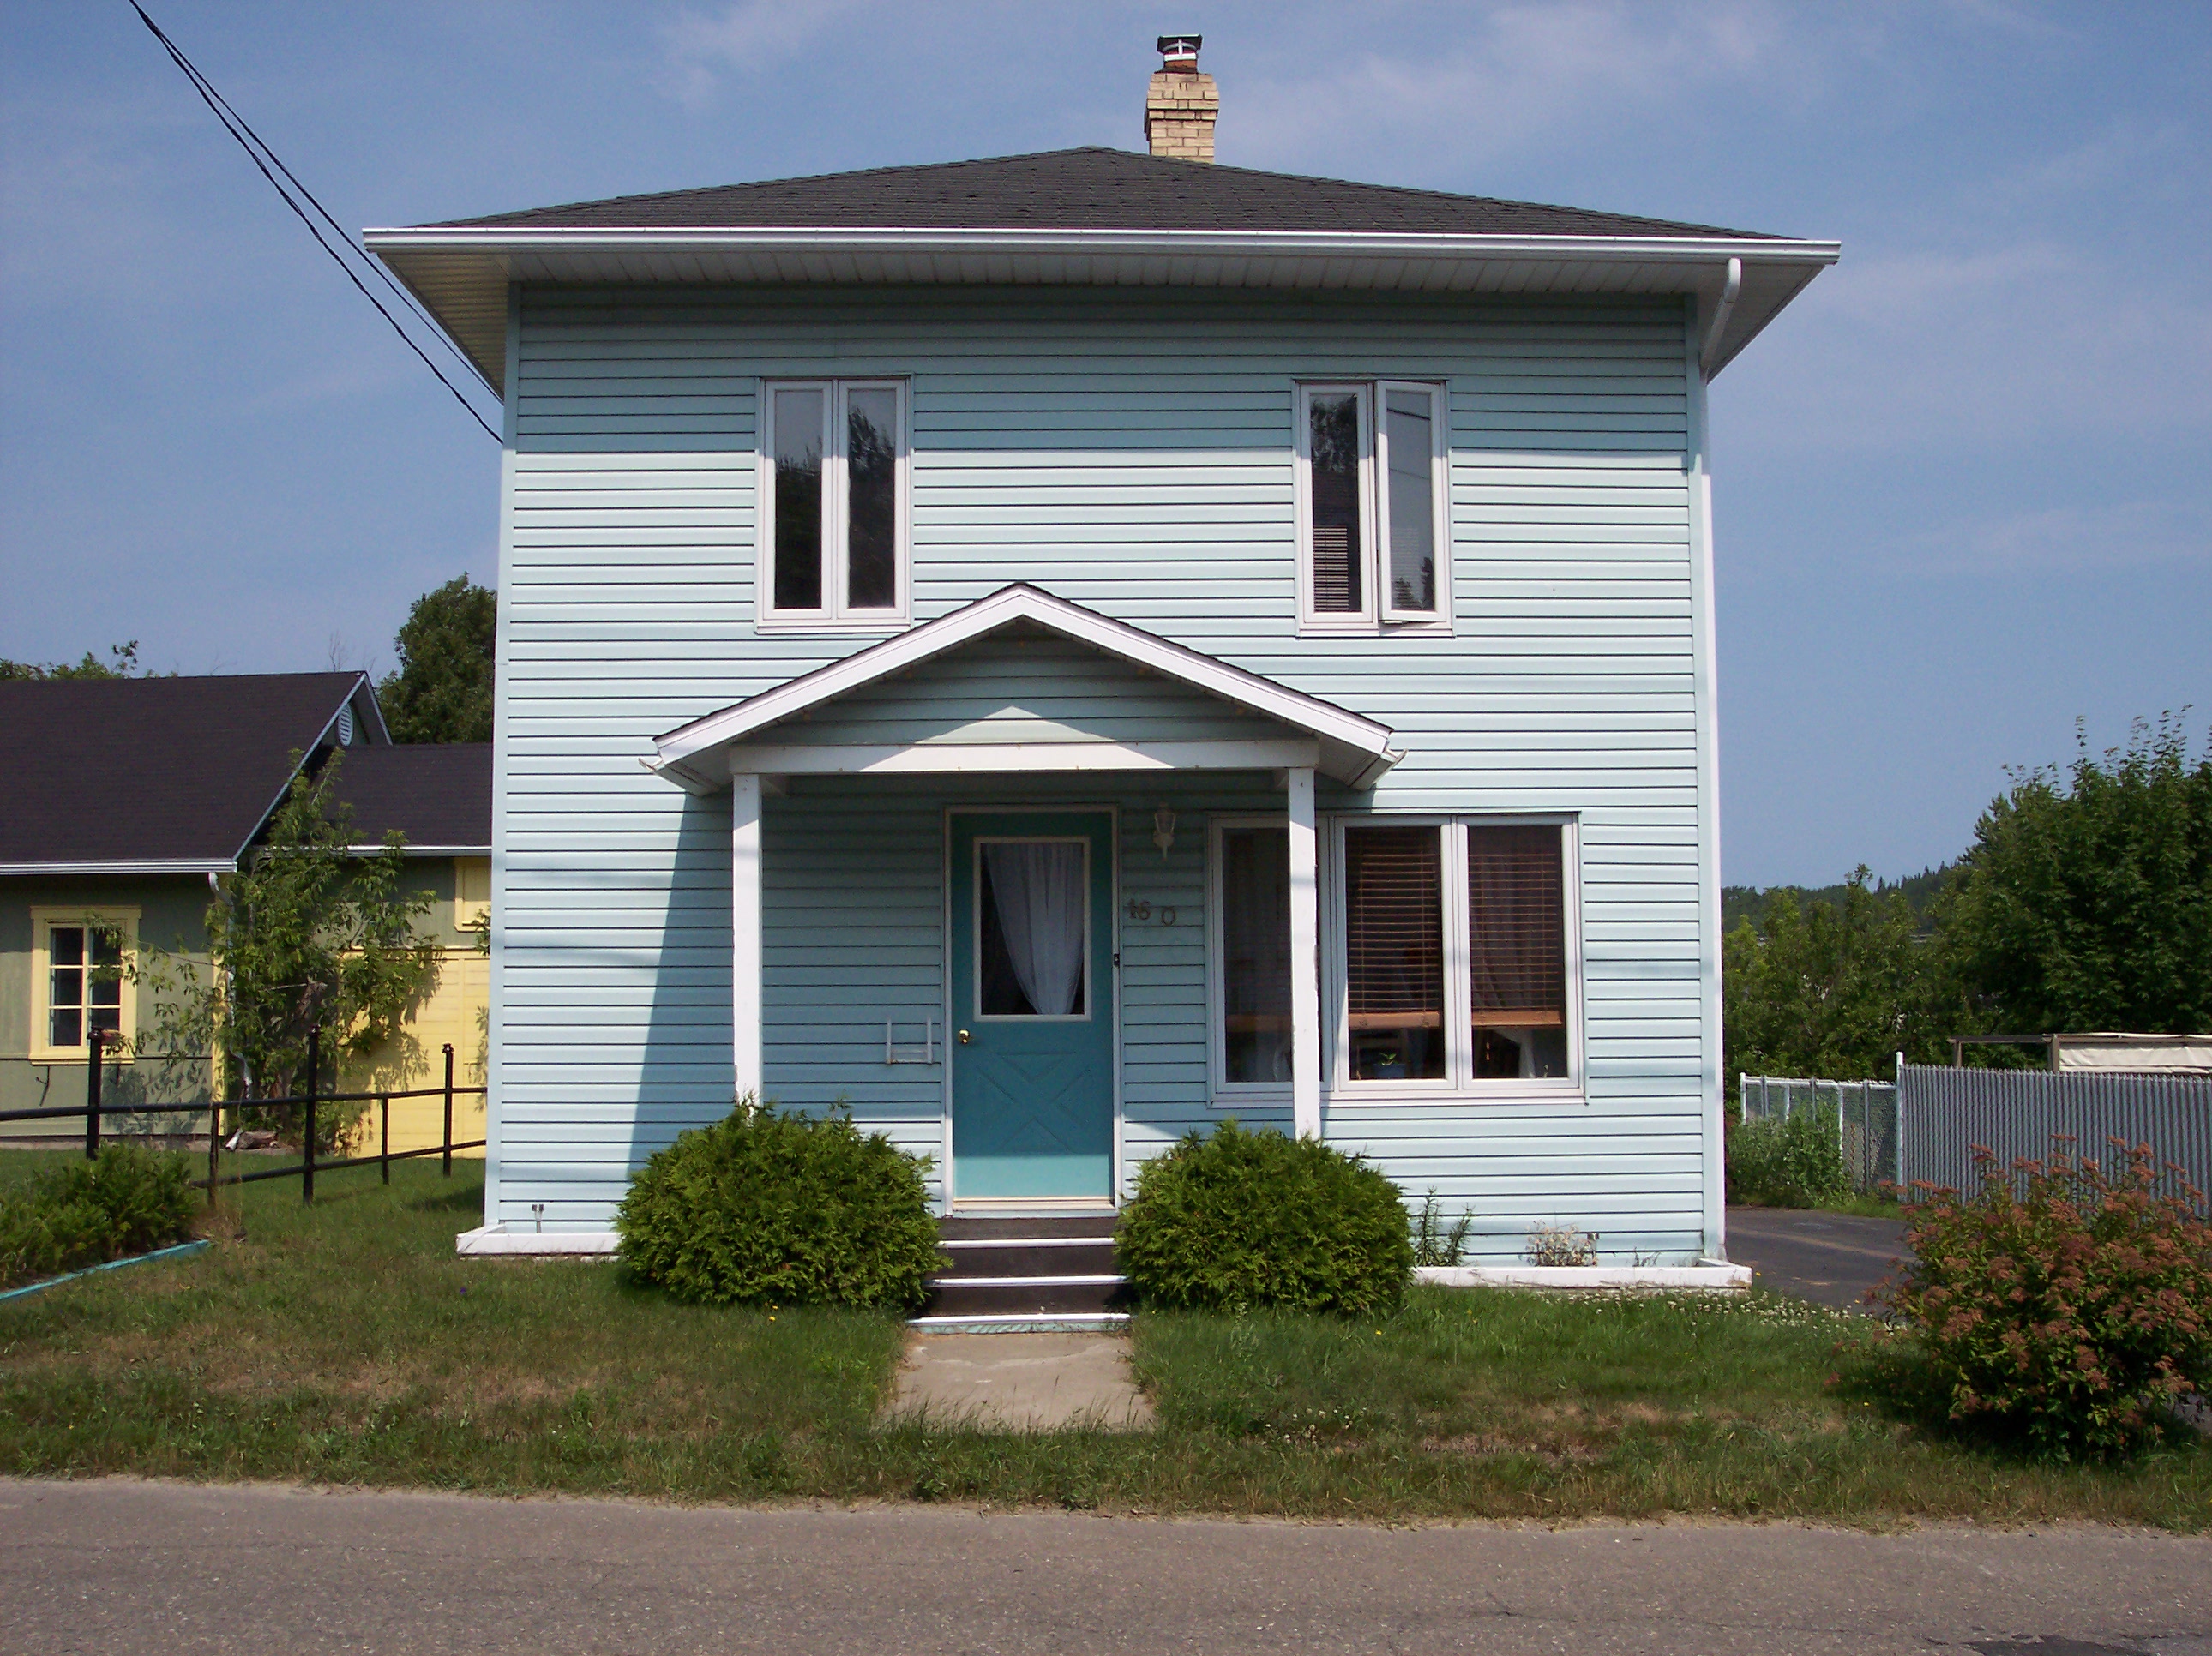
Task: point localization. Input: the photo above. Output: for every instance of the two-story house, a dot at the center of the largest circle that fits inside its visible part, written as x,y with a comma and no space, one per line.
1050,652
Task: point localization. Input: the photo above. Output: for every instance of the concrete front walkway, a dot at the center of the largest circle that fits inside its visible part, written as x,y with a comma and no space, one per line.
1028,1382
118,1567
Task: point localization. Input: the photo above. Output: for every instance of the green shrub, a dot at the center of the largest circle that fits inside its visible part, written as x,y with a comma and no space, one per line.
2060,1306
1796,1163
771,1208
1244,1220
78,1213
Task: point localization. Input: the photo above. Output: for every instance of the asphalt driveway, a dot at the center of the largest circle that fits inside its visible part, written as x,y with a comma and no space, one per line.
1830,1259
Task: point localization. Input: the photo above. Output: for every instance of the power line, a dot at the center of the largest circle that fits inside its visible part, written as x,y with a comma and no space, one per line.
248,140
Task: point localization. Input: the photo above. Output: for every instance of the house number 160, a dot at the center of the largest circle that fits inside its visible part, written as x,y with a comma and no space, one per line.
1139,909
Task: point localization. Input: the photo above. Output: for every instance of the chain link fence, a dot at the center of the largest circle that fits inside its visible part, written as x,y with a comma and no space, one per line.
1864,1111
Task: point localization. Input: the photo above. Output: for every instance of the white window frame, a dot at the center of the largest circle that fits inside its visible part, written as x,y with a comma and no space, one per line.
43,921
1459,1080
835,612
1226,1093
1375,614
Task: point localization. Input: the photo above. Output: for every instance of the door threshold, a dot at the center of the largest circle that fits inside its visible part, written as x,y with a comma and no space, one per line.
1012,1207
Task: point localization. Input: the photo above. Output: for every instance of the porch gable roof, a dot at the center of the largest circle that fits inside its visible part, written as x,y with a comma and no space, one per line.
701,755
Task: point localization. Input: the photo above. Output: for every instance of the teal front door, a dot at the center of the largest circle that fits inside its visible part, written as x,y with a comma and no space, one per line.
1032,969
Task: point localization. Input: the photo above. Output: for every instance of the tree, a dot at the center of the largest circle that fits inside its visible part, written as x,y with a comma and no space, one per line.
124,665
2088,905
1831,989
446,647
303,938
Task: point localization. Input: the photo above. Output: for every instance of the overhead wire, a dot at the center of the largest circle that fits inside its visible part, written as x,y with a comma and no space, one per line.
255,148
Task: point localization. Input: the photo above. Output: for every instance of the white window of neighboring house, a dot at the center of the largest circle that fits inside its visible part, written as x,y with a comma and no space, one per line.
79,978
1373,499
1249,954
833,491
1455,955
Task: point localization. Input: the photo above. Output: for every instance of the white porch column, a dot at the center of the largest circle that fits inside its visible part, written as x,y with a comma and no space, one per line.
1305,956
745,931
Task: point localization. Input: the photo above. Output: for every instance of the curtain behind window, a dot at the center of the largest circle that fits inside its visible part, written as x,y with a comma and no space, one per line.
1037,888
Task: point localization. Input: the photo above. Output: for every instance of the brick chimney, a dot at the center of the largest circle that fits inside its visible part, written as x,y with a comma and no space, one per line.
1181,104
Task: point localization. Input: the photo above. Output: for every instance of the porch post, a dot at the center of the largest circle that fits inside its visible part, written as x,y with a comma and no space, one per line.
745,931
1305,957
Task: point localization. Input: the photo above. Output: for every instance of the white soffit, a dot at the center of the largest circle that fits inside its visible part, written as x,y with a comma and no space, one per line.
462,274
1353,749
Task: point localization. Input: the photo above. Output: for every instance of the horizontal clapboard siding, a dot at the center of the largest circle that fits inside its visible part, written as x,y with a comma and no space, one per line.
1132,453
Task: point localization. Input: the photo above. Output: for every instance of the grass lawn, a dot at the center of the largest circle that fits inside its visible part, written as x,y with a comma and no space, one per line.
347,1344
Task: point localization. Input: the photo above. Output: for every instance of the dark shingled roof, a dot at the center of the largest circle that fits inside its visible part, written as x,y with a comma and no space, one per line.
158,769
1092,189
436,794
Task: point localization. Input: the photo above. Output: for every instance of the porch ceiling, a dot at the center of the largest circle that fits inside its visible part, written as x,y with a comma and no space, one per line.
1024,681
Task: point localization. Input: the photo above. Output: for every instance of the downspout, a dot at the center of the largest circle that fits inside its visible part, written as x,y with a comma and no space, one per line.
1711,348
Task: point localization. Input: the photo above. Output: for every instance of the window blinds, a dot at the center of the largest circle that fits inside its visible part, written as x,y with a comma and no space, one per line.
1394,927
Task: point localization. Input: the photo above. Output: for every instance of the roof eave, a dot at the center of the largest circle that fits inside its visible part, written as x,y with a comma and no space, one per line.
462,274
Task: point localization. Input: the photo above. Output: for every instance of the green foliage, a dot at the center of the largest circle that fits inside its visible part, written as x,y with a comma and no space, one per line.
2087,906
1740,903
2061,1307
124,664
78,1213
447,648
764,1208
1835,989
1796,1163
304,938
1245,1220
1434,1242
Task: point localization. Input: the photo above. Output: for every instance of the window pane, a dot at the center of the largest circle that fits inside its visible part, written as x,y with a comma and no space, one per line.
1394,950
1516,935
65,1028
65,945
65,986
1034,928
1412,501
799,428
871,498
1255,954
1335,489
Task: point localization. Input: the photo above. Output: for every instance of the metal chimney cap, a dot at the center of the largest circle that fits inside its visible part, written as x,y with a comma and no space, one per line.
1180,48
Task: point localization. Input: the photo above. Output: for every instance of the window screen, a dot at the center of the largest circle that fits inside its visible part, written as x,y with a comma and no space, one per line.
1333,435
1255,954
1394,952
1517,953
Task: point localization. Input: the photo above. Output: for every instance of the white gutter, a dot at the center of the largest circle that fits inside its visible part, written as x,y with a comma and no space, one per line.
1710,347
209,866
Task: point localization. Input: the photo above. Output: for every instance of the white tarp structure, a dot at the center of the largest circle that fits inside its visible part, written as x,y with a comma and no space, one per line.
2190,1055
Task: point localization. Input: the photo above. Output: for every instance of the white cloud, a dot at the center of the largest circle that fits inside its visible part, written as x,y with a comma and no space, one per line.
746,38
2063,539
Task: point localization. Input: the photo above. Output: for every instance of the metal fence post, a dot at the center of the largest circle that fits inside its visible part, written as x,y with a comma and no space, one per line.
93,1041
307,1147
383,1155
448,1160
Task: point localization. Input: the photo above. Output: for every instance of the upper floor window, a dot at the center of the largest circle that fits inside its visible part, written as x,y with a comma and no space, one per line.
1373,491
834,497
80,978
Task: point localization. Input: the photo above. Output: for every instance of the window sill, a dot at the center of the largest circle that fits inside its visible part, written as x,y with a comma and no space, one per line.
74,1055
897,624
1395,1094
1309,628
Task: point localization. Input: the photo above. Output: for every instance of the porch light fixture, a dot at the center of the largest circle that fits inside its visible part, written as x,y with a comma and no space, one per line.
1164,831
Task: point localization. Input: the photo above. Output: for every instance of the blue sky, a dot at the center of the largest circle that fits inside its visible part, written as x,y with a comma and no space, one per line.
1964,485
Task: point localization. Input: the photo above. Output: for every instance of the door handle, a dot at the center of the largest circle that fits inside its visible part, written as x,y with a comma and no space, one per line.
963,1037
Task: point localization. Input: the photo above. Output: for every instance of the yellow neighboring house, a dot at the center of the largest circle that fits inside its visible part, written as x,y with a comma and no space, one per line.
439,797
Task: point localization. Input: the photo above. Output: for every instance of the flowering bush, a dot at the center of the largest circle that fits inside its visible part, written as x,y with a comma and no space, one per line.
2062,1305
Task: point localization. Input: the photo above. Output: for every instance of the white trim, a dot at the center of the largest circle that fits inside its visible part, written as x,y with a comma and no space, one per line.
496,1241
1305,975
1025,1322
496,972
942,758
835,613
1705,701
1458,1082
1710,1274
747,1011
1223,1092
1354,747
1108,1280
128,866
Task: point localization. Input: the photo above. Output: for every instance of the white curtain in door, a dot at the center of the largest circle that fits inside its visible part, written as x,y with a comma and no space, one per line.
1038,888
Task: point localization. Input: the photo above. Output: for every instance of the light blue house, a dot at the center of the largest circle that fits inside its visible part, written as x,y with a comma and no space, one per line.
1051,653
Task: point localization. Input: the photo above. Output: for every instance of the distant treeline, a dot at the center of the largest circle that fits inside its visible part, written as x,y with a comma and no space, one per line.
1742,903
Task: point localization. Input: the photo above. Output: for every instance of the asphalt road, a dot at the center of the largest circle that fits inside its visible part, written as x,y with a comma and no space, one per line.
1830,1259
119,1566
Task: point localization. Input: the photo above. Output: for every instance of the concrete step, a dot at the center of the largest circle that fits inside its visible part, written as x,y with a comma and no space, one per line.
961,1228
1031,1256
1026,1295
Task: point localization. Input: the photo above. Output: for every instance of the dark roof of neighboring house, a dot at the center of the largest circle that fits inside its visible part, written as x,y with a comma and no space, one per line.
1089,189
175,772
436,794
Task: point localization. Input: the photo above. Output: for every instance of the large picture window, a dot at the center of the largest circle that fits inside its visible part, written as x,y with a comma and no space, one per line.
834,490
1373,490
80,978
1454,953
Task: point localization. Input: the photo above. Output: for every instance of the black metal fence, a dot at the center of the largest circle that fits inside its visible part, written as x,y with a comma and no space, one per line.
94,1112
